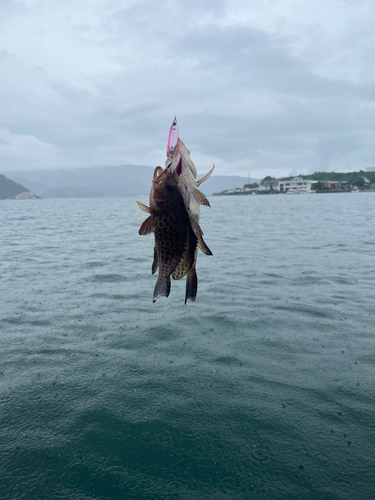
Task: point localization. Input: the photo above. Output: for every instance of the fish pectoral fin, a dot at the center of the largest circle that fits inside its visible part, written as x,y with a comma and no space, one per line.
205,177
200,198
143,207
147,226
155,264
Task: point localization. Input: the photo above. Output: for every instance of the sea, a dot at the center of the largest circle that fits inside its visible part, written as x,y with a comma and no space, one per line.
263,388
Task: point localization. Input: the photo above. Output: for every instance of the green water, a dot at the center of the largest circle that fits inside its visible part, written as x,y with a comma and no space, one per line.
263,388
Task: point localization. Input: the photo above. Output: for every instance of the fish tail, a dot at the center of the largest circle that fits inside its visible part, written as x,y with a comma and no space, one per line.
162,287
191,285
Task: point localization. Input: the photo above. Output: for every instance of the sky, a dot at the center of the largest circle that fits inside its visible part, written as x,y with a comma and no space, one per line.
271,87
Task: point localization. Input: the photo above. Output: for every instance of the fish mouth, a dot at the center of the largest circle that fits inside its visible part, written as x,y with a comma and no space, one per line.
157,172
179,167
159,175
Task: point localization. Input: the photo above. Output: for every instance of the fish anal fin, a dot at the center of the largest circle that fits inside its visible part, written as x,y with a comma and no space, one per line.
188,257
205,177
143,207
201,198
147,226
155,264
191,285
196,228
202,246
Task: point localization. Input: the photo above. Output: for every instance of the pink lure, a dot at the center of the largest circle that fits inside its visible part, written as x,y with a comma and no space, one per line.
173,137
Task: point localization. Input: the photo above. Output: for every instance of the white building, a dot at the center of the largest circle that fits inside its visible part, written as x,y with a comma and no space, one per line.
296,185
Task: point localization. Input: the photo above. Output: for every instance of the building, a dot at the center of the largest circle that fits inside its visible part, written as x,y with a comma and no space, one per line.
270,184
332,185
26,196
370,169
296,185
345,186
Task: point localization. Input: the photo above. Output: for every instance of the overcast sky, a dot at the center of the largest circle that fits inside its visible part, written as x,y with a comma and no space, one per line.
270,87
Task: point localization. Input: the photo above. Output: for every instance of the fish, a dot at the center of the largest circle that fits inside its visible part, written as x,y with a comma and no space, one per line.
185,173
175,240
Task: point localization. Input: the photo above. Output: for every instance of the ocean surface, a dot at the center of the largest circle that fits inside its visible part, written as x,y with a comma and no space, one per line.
264,388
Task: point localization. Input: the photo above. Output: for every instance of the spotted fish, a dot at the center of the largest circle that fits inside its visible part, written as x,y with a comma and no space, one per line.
174,236
184,171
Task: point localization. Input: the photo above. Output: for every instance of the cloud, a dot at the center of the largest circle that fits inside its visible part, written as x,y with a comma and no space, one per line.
282,89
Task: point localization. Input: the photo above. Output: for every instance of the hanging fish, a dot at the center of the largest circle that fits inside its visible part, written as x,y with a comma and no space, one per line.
175,241
185,173
174,218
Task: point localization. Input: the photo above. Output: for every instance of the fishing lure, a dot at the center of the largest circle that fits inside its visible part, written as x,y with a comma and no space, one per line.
173,137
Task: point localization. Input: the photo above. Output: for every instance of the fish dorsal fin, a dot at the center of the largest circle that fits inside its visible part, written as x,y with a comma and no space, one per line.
143,207
205,177
147,227
200,198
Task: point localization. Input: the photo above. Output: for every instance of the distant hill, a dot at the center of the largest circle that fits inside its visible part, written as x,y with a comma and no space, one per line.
72,192
88,182
125,180
10,189
335,176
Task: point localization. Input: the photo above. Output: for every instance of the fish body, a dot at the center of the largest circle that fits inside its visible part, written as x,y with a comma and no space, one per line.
170,223
174,218
184,172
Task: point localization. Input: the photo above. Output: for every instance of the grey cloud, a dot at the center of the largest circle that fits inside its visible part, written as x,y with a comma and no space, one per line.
240,95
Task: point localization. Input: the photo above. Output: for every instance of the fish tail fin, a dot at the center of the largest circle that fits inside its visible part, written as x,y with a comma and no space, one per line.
162,287
191,285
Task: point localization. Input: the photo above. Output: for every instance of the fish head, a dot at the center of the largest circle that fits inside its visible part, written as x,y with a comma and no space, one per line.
181,160
162,186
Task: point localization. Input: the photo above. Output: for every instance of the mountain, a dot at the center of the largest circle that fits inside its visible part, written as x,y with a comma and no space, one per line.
72,192
219,183
125,180
88,182
10,189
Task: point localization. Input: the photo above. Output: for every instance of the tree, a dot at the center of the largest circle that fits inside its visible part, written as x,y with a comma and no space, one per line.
358,181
